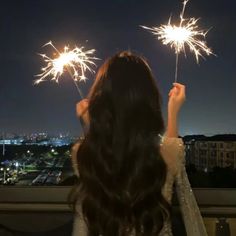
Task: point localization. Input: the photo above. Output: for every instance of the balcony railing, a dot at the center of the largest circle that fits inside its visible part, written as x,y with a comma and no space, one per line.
45,210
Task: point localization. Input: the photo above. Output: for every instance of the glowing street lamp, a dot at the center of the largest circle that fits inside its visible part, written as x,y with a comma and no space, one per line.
5,170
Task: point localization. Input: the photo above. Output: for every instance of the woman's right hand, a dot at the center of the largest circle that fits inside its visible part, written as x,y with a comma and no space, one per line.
176,98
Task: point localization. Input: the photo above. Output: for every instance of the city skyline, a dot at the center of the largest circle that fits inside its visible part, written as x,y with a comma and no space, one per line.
110,27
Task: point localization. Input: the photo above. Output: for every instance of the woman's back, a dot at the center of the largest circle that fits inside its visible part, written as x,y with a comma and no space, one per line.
172,150
126,170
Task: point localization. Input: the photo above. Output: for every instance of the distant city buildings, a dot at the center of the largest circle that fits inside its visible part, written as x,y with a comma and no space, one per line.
203,152
209,152
14,141
37,159
40,139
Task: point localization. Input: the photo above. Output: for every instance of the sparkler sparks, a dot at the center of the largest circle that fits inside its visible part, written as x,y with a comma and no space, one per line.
76,62
187,33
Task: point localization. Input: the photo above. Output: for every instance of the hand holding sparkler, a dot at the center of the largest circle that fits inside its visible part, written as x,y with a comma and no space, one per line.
82,113
187,33
82,110
76,62
176,100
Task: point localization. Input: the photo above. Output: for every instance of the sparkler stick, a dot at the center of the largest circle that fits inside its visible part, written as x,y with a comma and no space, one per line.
76,85
187,33
76,62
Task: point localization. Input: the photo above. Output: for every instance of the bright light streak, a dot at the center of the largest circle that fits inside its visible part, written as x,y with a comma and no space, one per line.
186,33
76,62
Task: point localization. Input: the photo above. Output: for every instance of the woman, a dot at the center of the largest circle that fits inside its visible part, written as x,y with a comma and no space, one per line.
128,162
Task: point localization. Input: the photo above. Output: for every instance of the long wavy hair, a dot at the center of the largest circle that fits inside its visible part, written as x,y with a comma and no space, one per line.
121,169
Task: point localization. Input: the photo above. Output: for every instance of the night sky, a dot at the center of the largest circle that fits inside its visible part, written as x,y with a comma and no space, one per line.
112,26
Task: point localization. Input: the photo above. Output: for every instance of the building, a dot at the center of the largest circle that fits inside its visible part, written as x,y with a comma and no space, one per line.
209,152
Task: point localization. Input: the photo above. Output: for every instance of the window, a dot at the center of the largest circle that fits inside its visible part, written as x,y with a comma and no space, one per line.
213,145
213,154
230,145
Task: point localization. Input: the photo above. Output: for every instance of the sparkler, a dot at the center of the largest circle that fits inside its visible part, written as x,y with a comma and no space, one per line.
187,33
76,62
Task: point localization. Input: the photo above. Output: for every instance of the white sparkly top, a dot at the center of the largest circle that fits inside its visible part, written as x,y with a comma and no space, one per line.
172,150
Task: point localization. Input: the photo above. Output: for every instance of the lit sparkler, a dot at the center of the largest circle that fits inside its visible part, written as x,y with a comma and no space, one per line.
76,62
187,33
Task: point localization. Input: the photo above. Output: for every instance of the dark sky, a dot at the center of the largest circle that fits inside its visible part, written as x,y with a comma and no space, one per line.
111,26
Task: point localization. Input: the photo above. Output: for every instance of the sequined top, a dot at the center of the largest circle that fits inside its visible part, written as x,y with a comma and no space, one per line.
172,150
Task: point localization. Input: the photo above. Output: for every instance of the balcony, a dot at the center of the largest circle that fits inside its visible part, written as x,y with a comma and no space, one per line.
37,211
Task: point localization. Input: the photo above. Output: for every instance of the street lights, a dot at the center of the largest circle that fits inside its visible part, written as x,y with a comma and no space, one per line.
30,153
5,170
17,165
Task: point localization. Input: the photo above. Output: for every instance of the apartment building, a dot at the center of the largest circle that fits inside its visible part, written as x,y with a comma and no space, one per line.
209,152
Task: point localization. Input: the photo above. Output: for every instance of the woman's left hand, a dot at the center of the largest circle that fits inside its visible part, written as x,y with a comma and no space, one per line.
82,110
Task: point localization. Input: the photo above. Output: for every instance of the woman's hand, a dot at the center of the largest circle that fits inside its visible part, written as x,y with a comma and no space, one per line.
176,98
82,111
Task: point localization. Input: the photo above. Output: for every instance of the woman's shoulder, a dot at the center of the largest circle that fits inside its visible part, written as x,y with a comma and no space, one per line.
172,150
